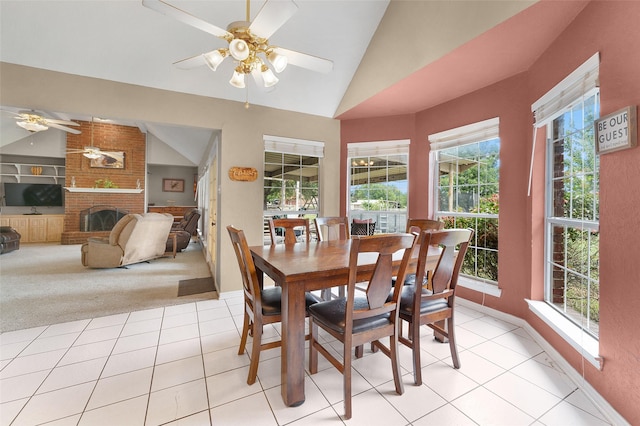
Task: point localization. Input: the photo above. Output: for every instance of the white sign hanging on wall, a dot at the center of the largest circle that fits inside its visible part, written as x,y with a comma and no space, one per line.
617,130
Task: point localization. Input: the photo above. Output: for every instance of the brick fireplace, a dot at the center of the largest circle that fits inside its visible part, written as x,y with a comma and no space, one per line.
107,137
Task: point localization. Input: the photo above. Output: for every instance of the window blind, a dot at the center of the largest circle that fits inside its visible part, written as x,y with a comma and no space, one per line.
293,146
570,89
475,132
372,149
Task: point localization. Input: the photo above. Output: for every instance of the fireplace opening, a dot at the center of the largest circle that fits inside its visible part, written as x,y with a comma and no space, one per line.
100,218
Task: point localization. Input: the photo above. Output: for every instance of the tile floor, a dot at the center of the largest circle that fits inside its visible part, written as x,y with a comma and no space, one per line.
179,366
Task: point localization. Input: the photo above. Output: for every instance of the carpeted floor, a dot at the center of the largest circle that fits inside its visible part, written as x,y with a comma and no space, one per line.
44,284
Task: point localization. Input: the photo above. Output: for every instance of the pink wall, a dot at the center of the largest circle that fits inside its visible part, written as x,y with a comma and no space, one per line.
611,28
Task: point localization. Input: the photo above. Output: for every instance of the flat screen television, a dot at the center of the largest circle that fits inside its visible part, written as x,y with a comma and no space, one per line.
33,194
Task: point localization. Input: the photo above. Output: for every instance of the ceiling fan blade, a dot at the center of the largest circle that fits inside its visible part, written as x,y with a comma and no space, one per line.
63,122
185,17
65,128
271,17
192,62
310,62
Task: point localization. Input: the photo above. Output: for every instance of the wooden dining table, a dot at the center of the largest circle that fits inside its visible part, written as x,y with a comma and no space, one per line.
303,267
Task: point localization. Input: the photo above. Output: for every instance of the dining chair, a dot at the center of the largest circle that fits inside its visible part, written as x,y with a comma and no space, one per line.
261,306
419,225
290,226
330,229
357,320
433,307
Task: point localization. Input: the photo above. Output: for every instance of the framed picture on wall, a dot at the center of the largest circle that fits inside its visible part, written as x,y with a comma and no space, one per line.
173,185
109,160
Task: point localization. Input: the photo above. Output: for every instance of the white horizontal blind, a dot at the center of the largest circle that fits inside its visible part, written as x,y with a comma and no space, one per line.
293,146
372,149
570,89
475,132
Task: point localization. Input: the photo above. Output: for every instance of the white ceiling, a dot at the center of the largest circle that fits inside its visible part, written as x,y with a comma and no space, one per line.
121,40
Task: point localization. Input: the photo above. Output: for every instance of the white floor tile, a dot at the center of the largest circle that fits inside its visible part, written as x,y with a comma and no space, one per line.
252,410
47,344
415,402
177,372
545,377
54,405
176,402
129,361
446,381
88,352
133,328
73,374
568,414
32,363
137,341
178,350
486,408
178,366
23,386
447,415
230,386
130,412
114,389
202,418
528,397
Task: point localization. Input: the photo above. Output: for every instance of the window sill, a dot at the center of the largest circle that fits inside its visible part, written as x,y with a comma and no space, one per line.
479,286
581,341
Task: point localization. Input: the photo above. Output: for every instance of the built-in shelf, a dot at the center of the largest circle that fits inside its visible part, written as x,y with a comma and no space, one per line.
108,190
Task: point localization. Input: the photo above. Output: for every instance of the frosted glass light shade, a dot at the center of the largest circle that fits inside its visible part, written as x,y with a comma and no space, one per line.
269,77
239,49
278,61
213,59
237,80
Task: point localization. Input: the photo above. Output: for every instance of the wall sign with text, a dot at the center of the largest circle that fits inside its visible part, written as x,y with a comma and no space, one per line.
617,130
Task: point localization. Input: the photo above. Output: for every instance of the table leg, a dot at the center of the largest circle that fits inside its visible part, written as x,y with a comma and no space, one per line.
293,341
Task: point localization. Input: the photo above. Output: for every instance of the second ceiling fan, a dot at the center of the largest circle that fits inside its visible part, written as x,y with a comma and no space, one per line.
248,43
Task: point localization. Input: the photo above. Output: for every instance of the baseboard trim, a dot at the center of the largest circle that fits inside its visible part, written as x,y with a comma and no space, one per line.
590,392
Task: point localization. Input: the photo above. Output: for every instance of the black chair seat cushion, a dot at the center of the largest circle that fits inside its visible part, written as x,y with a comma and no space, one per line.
332,315
410,280
272,300
426,307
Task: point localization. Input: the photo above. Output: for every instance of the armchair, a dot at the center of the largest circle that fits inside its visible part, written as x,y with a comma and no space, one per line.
135,238
184,230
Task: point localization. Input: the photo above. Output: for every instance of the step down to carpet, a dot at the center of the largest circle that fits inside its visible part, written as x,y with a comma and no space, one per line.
195,286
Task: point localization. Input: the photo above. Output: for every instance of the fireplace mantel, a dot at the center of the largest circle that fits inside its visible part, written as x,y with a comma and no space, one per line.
107,190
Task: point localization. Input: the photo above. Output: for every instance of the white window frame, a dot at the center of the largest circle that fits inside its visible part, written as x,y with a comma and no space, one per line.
307,148
579,84
379,149
478,132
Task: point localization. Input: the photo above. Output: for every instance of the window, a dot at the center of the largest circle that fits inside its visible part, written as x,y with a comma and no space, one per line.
467,171
378,188
291,177
572,197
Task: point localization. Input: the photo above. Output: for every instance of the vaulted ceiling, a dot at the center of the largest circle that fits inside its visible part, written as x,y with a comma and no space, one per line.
389,57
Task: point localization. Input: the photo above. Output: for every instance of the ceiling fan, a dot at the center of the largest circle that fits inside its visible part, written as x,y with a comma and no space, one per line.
34,121
91,152
248,42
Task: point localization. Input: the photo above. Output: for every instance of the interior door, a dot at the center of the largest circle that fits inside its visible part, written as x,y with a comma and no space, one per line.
212,237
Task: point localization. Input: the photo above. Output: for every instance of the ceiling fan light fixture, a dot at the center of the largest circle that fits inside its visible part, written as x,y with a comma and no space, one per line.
239,49
31,125
278,61
237,80
269,77
215,58
92,155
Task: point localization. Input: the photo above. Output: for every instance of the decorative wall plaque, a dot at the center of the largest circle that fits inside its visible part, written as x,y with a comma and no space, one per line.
244,174
617,131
